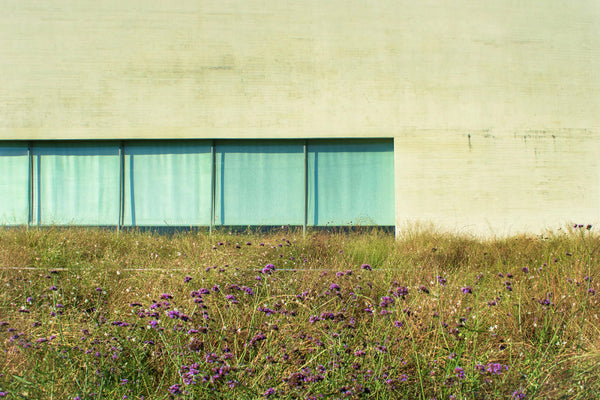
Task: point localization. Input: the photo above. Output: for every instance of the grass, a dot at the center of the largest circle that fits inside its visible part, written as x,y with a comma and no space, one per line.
91,313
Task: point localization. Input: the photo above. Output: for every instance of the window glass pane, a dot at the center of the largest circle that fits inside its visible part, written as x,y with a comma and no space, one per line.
76,183
351,182
168,182
171,183
14,182
260,182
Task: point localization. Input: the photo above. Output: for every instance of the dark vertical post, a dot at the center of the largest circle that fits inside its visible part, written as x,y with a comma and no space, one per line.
121,186
305,188
213,184
29,185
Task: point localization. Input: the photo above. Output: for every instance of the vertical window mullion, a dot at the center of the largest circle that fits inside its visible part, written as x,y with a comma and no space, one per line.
305,222
29,185
213,184
121,215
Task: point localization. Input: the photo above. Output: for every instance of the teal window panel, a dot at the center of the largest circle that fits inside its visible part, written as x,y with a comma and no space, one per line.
167,183
14,183
350,182
77,183
260,182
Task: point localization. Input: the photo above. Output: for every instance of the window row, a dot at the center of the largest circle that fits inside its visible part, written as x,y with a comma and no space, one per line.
197,182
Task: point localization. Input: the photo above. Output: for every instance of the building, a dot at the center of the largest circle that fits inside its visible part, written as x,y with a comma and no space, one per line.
480,118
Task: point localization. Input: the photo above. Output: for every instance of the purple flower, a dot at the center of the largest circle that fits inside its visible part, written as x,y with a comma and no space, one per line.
269,392
518,394
268,269
257,338
545,302
366,266
231,298
187,279
175,389
460,373
386,301
334,286
398,324
329,315
166,296
466,289
496,368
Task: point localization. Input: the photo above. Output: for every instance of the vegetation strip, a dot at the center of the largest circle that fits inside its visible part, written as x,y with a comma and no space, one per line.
356,315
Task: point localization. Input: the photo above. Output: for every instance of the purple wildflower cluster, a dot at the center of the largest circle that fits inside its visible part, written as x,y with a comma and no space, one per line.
400,291
386,301
324,316
268,269
492,368
581,226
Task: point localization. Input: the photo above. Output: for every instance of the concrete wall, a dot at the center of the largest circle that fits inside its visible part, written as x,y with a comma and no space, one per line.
490,184
519,76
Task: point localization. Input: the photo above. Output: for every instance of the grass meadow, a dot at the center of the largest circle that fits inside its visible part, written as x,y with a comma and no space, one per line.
97,314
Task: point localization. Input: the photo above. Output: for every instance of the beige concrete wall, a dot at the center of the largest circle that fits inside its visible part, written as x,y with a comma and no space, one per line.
500,185
251,68
520,76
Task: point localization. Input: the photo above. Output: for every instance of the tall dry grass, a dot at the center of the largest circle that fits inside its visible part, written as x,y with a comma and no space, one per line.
91,313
